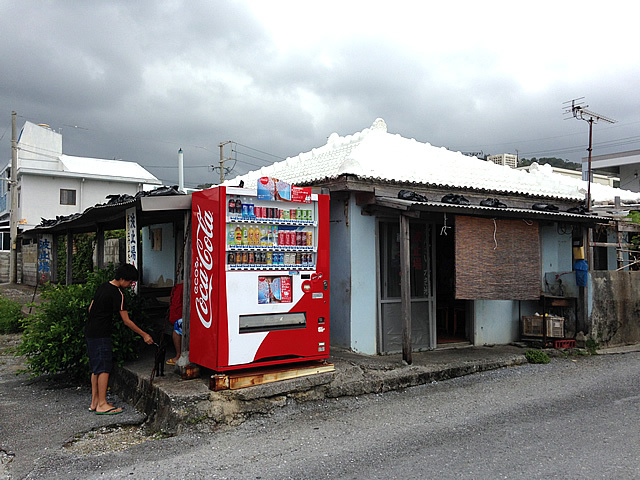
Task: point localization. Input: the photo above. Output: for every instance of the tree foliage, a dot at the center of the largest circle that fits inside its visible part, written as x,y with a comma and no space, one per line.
82,258
53,340
553,161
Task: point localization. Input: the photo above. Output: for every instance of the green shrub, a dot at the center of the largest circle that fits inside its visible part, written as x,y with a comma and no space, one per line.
592,346
82,259
10,316
53,340
536,356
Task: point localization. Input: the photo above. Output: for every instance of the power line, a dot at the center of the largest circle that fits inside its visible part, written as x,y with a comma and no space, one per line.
260,151
250,156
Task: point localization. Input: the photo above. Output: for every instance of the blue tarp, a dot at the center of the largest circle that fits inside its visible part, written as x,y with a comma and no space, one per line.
581,267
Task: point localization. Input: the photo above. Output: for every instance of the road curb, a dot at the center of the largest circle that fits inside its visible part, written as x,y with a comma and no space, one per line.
177,406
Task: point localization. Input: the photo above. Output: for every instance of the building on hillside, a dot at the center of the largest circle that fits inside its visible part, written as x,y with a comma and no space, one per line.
601,179
475,268
504,159
625,165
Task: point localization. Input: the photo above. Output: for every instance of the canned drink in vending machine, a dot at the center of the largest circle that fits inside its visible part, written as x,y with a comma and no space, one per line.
303,242
298,239
309,239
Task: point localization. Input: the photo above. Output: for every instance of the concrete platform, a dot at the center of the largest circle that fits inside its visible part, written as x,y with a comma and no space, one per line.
174,405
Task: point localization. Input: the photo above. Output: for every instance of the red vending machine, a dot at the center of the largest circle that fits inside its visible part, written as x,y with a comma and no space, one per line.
260,276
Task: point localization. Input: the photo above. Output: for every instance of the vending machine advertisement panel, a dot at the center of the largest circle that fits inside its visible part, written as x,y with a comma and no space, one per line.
259,277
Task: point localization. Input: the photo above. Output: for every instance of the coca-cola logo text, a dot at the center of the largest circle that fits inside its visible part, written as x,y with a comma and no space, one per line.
203,267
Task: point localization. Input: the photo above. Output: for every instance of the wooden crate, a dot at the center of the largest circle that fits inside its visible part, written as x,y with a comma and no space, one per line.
532,326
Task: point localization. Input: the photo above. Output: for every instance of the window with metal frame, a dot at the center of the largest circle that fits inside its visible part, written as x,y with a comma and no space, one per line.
67,197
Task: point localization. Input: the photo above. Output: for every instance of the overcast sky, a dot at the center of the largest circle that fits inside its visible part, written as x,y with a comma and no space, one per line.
137,80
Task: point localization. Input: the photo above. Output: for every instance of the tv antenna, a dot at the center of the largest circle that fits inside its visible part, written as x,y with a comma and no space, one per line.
579,110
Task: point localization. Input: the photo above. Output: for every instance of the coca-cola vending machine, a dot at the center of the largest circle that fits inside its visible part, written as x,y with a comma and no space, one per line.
259,277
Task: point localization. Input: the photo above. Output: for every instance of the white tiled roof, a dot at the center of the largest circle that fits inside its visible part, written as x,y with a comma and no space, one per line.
112,168
376,154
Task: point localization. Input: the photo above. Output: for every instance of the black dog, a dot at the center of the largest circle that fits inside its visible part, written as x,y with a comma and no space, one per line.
161,354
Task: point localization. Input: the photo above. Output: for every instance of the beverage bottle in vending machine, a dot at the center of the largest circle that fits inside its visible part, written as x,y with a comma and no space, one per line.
245,235
232,206
238,206
238,235
231,235
263,236
245,209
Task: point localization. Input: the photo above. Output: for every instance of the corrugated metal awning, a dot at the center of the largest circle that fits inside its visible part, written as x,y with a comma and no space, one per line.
479,210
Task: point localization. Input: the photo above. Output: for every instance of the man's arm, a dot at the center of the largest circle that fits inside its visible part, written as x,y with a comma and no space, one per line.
131,324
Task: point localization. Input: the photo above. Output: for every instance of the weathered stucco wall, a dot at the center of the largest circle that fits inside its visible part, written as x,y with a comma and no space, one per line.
30,264
615,312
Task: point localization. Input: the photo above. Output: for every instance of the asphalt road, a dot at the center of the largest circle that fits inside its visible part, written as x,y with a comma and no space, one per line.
573,418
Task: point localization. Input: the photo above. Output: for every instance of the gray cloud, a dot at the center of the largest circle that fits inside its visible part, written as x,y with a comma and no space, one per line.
142,79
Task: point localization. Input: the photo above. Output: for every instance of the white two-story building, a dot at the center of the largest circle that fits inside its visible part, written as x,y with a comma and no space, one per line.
51,184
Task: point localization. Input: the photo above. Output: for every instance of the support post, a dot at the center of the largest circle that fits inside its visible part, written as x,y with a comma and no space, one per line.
69,271
405,288
100,247
13,215
54,259
187,369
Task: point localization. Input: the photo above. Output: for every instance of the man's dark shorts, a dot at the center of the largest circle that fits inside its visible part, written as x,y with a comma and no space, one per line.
100,355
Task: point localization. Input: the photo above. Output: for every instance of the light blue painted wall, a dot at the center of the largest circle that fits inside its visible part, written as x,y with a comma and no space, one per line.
158,263
556,253
496,322
340,284
363,280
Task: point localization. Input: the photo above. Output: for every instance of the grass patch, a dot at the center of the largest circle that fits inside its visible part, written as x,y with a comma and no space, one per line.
537,356
10,316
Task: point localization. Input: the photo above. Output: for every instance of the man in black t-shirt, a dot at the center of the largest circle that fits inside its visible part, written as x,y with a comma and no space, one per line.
107,300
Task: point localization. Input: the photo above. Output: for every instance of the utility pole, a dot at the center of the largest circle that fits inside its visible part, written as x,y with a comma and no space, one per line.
13,215
222,159
581,113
